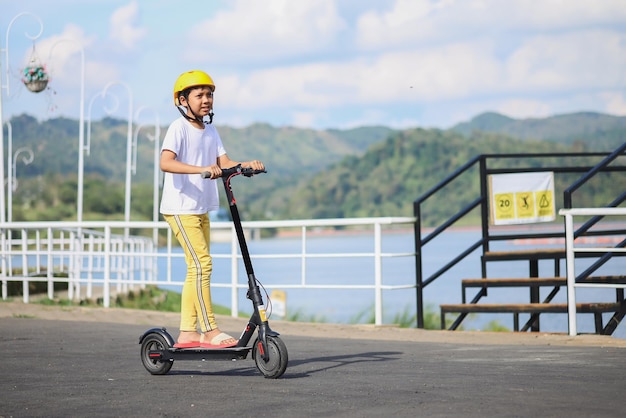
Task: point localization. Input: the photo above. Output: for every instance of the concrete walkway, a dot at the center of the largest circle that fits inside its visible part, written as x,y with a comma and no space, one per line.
65,362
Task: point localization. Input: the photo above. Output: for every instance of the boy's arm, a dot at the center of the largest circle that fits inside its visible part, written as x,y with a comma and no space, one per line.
170,164
225,162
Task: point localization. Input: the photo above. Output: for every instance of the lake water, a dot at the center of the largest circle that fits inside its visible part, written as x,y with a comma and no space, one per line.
356,306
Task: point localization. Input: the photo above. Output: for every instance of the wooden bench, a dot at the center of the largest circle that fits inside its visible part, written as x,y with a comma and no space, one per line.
531,282
532,308
533,256
535,282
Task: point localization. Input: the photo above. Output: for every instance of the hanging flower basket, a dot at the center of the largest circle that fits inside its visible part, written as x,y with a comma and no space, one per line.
35,78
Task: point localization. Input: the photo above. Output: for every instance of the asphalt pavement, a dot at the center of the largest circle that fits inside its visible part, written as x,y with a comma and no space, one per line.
62,368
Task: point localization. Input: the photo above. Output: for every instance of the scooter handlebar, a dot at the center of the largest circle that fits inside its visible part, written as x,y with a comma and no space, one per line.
238,169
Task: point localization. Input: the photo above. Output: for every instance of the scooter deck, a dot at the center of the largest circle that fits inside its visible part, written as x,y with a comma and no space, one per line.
209,350
199,353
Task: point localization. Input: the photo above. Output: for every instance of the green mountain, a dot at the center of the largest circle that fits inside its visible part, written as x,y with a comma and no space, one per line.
593,131
393,174
367,171
292,155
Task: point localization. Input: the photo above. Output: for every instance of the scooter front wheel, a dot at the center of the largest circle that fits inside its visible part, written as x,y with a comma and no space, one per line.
152,344
276,363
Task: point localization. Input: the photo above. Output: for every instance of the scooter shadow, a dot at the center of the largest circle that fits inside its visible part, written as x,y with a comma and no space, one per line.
321,364
314,365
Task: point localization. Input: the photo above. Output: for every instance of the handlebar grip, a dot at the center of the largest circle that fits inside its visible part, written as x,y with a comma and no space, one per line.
227,172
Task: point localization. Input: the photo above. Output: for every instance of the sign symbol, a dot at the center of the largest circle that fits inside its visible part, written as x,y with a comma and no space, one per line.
544,202
525,204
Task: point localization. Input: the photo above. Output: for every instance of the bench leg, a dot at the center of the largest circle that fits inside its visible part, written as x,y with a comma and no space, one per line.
597,316
534,291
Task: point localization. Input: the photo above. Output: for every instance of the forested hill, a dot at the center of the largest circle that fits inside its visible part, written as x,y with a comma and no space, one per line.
396,172
595,130
368,171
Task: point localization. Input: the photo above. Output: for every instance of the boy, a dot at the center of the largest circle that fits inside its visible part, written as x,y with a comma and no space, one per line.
190,147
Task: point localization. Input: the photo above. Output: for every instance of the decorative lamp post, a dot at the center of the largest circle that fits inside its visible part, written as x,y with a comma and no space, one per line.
27,159
129,144
156,139
6,86
81,129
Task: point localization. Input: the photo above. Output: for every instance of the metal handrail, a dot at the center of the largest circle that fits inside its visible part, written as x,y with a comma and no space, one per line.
92,254
571,249
482,201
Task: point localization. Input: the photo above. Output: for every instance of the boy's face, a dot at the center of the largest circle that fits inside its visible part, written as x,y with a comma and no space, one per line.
200,100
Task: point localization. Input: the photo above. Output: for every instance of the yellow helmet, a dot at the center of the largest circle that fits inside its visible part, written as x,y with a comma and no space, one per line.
191,79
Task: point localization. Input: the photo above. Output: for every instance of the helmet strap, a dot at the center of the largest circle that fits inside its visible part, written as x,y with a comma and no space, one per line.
195,117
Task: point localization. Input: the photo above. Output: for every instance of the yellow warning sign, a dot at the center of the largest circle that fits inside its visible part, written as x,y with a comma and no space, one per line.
525,204
279,303
545,206
504,206
519,198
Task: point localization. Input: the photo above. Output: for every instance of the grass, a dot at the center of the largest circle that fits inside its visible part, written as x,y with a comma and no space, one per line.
300,316
157,299
23,316
150,298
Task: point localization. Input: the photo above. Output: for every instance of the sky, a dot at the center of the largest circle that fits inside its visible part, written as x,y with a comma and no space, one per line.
318,64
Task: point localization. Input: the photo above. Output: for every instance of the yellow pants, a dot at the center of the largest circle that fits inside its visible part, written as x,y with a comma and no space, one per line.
193,234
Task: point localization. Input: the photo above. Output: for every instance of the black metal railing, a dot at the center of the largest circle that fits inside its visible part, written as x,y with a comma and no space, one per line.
489,164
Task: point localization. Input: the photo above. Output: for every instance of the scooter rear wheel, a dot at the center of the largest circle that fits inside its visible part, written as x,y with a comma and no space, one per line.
276,363
152,343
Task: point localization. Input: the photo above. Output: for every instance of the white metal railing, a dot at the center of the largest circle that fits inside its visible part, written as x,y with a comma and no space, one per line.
571,250
105,254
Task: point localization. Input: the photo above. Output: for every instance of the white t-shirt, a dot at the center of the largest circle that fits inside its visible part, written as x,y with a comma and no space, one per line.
190,194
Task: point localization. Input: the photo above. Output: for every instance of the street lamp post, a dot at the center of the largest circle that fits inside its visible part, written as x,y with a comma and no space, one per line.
6,86
129,144
156,139
12,185
81,130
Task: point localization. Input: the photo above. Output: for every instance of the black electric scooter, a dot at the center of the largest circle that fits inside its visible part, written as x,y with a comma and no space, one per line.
268,350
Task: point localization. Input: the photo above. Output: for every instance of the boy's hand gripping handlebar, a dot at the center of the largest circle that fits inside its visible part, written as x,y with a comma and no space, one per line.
235,171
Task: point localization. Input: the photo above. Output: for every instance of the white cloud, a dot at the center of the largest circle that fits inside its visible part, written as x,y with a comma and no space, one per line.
123,29
304,119
579,60
254,30
419,22
524,108
336,63
407,77
406,21
615,102
64,56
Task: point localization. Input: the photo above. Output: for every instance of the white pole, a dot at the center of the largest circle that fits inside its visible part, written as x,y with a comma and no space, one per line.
571,274
157,140
13,173
129,145
6,86
81,129
2,209
378,275
9,171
